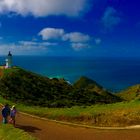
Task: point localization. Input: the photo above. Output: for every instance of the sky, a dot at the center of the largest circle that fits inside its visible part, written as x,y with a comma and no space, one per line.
89,28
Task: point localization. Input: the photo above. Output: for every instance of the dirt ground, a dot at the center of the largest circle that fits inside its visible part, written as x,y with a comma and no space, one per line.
47,130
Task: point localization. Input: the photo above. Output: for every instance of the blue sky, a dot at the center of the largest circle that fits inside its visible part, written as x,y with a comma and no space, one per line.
70,27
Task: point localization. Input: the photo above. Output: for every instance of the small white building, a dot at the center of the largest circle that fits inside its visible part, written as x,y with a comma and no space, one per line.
8,60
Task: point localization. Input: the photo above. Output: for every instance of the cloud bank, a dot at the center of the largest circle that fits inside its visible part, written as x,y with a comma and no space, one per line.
52,39
26,47
23,49
76,40
55,33
41,8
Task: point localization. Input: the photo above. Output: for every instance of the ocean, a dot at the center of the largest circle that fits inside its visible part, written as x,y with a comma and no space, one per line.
114,74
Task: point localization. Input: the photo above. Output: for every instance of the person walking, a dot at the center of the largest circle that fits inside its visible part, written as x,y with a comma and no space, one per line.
5,113
13,115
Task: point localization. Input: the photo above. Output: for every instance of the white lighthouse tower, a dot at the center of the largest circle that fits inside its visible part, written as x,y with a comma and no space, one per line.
8,60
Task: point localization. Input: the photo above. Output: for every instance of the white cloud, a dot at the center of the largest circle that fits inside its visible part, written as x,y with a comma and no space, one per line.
79,46
59,34
40,8
22,48
76,37
110,18
51,33
76,40
32,43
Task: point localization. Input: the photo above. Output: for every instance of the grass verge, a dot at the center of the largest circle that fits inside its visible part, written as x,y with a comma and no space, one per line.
8,132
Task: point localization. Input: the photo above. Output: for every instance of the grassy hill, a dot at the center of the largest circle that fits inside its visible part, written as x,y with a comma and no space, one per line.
19,85
93,92
130,93
84,82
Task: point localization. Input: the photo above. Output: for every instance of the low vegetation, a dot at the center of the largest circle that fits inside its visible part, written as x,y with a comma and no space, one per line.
130,93
22,86
116,114
8,132
83,102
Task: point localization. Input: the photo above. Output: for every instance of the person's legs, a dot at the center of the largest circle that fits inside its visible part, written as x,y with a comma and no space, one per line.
13,120
5,120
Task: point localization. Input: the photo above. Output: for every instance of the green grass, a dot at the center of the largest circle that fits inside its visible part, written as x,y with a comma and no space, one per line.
9,70
117,114
19,85
8,132
130,93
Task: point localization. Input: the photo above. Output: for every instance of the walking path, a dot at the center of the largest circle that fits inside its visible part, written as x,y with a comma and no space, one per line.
49,130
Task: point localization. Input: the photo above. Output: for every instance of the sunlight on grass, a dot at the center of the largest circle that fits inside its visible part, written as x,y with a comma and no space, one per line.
8,132
117,114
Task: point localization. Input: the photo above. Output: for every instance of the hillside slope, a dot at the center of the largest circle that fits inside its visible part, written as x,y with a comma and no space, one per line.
19,85
130,93
93,92
23,86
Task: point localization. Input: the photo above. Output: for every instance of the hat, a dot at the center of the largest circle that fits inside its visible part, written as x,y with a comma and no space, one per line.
13,106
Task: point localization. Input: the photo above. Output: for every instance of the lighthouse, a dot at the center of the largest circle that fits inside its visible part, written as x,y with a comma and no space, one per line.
8,60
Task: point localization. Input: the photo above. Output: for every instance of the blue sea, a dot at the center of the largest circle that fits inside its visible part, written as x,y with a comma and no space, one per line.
113,74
